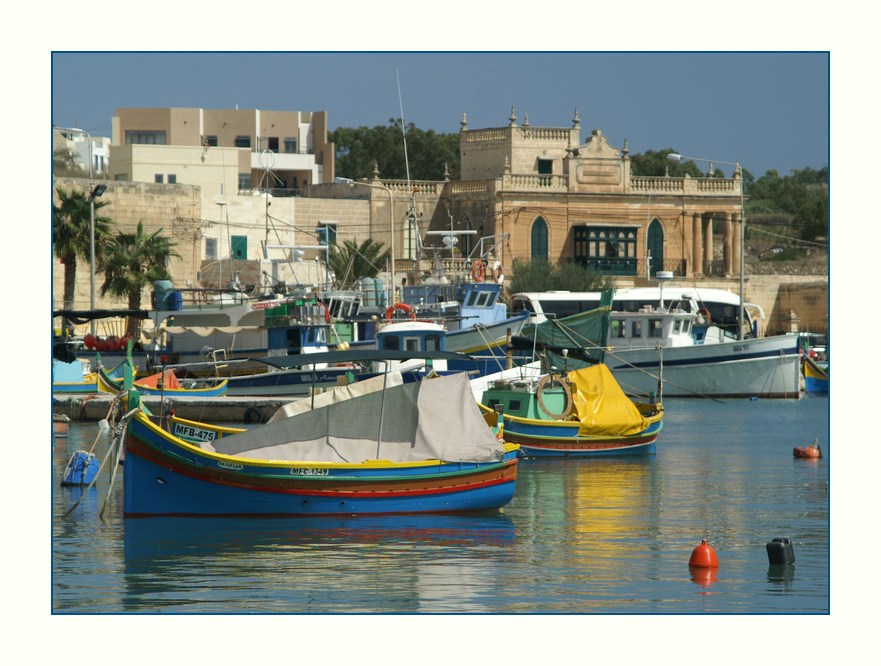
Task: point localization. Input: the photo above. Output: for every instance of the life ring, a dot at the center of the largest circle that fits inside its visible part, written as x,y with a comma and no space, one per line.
543,384
703,312
497,271
478,271
399,306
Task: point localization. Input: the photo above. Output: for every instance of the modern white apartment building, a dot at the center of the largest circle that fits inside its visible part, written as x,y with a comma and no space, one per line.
222,151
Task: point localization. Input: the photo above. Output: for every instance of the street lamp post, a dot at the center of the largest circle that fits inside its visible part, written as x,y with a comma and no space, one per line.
93,194
391,222
675,157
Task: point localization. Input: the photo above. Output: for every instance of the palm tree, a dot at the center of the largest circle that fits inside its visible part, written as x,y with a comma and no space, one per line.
71,235
132,261
351,262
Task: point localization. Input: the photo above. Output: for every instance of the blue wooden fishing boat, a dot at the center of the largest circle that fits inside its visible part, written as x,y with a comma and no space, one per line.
816,376
412,448
71,377
171,386
582,413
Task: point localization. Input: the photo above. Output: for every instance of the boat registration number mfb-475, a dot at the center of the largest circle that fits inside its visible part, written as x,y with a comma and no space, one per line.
191,434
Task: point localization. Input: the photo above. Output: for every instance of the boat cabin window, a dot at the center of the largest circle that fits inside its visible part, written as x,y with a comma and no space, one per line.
656,328
432,343
471,298
320,335
636,328
515,406
481,300
412,344
677,326
390,342
492,299
618,327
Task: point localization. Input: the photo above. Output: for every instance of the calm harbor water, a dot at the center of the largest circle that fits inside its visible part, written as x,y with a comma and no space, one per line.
591,536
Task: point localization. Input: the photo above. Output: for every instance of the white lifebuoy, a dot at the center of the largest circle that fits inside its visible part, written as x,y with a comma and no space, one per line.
497,271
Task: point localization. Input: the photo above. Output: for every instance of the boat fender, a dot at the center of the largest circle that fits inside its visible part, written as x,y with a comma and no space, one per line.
543,384
254,415
497,272
478,270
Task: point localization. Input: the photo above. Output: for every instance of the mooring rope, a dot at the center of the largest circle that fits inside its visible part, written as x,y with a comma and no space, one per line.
116,444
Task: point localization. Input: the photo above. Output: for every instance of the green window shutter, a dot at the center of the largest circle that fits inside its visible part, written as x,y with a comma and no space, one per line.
239,247
539,239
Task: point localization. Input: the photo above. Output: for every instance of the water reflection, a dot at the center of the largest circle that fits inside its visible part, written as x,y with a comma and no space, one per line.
781,576
703,576
383,563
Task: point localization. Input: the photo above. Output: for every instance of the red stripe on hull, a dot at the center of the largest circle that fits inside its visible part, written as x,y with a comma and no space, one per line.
505,474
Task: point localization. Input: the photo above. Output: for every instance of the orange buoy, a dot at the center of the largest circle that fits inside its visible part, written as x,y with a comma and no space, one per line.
703,556
812,451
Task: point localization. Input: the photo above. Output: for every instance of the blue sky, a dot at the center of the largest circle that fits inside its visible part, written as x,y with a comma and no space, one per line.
767,110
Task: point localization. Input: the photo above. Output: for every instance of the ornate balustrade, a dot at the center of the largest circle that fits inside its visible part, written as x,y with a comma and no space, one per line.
477,136
544,133
718,185
535,182
684,186
398,187
652,185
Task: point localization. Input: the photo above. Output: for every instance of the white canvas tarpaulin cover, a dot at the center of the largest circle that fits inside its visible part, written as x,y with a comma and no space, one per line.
202,331
338,394
435,419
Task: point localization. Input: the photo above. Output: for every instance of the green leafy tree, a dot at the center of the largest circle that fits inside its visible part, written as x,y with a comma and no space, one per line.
71,235
64,164
351,261
541,275
131,261
800,201
655,163
428,152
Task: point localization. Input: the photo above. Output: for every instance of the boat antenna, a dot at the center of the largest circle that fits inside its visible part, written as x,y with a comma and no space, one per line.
404,132
407,167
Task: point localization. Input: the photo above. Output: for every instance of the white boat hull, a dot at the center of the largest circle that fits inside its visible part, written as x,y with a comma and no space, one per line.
758,367
481,338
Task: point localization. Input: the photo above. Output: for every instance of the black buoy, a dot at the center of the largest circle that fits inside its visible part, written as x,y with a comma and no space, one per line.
780,551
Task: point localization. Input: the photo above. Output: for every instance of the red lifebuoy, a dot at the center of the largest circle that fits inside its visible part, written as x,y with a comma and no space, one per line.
478,270
399,306
703,312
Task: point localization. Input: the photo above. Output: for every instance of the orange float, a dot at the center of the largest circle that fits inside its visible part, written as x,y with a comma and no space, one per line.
478,271
812,451
703,556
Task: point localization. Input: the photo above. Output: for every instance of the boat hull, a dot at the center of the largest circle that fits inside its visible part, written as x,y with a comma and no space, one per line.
563,441
760,367
165,476
286,382
816,377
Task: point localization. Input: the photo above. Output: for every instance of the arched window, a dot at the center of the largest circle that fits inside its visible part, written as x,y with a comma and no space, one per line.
539,239
655,244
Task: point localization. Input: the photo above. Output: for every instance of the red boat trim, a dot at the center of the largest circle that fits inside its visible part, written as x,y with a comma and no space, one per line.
504,476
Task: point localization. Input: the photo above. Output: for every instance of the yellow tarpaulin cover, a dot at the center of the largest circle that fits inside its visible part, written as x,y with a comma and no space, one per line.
600,404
